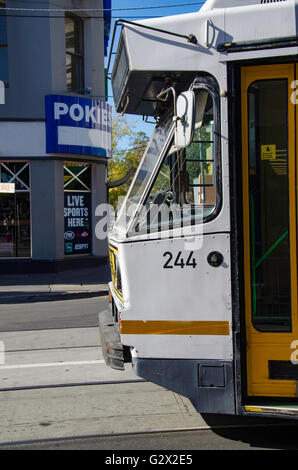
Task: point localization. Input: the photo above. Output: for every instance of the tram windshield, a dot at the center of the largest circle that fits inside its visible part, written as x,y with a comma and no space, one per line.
174,186
157,145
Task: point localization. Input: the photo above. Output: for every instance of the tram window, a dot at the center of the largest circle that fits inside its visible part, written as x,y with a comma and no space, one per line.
269,205
199,157
185,186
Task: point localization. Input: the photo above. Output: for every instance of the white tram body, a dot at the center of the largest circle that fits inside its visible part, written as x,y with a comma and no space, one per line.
181,289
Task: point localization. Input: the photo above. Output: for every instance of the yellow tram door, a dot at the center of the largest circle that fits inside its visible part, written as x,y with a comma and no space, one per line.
270,229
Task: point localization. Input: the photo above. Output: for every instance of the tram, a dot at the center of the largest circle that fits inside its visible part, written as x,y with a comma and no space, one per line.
203,252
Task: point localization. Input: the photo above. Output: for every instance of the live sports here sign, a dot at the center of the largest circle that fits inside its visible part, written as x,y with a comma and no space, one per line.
77,223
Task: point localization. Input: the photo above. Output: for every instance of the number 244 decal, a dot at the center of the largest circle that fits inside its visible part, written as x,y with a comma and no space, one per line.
179,261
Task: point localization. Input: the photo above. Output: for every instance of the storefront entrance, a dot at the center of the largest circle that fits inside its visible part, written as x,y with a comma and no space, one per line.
15,226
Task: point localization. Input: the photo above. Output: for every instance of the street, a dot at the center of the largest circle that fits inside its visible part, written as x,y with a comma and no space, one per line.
57,393
77,313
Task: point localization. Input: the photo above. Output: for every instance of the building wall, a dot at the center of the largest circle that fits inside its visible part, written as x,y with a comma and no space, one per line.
37,67
47,195
37,57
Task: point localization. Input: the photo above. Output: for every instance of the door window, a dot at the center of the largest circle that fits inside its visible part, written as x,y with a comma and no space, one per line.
269,204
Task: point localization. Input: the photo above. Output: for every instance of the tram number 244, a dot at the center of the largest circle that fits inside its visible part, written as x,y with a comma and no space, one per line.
178,261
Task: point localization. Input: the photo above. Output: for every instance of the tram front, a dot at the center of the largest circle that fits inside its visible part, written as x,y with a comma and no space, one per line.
218,182
170,245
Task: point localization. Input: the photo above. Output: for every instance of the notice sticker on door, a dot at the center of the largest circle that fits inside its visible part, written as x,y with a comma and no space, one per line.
268,152
7,187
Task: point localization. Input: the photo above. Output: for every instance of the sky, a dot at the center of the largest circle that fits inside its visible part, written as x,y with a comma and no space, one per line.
146,9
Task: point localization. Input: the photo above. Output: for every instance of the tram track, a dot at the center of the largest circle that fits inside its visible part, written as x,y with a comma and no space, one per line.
112,414
53,399
74,384
100,441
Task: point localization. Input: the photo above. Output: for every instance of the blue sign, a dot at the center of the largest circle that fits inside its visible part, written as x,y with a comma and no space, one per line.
78,125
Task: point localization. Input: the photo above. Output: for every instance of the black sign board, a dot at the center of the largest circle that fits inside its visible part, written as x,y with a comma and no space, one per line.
77,223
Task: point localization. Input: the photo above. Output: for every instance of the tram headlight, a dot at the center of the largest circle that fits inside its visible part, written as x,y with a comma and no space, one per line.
118,277
115,271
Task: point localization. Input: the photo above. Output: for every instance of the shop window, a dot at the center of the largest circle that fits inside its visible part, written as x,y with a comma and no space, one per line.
3,46
77,177
15,225
77,209
74,48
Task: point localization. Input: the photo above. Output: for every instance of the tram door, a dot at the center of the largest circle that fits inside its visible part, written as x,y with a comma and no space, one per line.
270,229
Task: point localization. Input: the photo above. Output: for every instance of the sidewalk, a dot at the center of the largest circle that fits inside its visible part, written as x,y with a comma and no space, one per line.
79,283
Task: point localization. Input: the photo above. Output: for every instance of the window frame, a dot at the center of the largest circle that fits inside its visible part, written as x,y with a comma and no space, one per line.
77,82
76,177
14,176
4,45
208,83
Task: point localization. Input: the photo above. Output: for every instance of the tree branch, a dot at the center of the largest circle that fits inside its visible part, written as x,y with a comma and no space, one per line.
115,184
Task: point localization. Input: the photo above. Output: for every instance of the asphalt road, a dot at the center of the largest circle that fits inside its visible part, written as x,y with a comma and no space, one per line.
78,313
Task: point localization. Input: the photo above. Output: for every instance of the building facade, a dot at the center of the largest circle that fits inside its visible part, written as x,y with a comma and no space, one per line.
54,133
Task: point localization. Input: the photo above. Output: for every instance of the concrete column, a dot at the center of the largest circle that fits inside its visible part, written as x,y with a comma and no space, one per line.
47,203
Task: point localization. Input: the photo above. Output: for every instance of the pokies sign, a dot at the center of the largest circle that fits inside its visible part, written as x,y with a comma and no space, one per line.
77,223
77,125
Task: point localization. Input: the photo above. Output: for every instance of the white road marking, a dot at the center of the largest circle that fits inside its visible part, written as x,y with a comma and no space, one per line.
52,364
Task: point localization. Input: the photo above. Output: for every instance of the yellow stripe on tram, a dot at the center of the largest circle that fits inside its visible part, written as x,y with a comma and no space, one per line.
138,327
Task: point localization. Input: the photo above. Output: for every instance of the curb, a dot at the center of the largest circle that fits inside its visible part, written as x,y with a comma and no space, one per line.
46,297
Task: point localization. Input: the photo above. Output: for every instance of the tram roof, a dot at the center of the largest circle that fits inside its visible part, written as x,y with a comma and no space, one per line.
149,59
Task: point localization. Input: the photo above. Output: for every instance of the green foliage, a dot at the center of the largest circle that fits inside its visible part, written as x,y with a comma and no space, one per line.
123,159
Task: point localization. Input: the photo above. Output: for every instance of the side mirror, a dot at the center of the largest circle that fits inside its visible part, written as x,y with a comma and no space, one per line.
185,119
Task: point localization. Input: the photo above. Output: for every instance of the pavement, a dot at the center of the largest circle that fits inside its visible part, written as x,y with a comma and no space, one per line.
72,284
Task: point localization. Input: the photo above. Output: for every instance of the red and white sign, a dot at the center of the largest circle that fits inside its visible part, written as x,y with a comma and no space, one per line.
7,187
83,234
